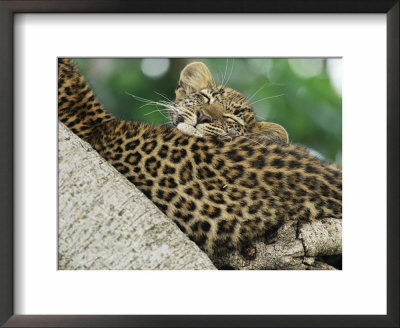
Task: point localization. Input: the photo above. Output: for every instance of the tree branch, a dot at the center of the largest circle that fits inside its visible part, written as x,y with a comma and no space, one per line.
295,246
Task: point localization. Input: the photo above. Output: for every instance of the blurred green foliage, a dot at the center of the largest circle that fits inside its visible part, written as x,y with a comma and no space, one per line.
303,95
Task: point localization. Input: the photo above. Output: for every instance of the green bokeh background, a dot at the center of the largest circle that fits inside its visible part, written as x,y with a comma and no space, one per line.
299,94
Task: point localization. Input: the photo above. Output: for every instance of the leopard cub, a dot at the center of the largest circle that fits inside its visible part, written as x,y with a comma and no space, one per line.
222,188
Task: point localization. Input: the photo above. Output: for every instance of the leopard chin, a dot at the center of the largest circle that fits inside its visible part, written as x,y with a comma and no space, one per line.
189,130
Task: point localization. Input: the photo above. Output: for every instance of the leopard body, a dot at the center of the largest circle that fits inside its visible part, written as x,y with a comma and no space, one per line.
224,191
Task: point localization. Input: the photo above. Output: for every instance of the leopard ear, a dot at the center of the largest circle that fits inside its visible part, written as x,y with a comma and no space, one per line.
270,131
194,77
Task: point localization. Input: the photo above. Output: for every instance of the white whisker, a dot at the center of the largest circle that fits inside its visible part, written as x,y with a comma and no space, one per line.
147,102
164,96
267,98
160,111
259,117
137,97
226,68
230,74
258,90
157,110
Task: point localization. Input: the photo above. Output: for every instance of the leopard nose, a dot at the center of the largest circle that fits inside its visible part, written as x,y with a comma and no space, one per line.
202,118
179,119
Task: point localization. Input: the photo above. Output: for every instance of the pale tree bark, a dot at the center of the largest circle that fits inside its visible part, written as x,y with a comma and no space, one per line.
105,222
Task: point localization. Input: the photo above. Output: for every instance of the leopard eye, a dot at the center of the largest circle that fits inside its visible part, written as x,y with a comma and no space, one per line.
235,119
231,119
218,92
238,111
206,96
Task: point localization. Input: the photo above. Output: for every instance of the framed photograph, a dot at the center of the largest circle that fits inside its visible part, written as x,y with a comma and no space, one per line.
315,81
200,185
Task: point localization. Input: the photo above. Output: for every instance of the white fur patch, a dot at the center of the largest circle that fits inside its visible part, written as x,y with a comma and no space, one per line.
189,130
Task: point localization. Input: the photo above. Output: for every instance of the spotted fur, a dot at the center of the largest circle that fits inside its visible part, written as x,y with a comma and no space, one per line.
223,192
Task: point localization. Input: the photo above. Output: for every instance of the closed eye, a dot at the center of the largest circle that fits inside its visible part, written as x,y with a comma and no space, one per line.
206,96
235,119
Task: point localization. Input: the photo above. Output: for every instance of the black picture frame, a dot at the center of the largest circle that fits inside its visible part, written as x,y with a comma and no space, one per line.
7,11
